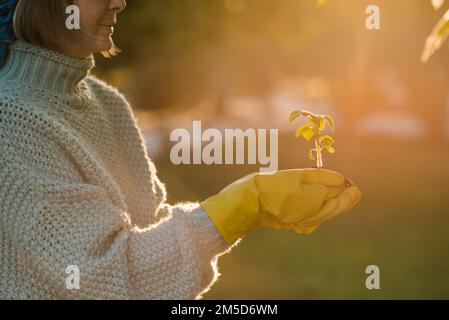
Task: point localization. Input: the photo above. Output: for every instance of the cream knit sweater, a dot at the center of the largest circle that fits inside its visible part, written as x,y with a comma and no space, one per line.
77,189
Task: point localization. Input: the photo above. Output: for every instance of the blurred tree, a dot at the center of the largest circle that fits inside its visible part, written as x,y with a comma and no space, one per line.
182,50
177,53
439,33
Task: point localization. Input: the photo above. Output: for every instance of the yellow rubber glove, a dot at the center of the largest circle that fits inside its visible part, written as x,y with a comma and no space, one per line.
298,199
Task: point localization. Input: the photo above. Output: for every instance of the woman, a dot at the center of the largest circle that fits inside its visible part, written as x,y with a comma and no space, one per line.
78,191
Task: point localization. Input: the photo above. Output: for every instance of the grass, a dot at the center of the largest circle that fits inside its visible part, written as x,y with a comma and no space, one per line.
401,225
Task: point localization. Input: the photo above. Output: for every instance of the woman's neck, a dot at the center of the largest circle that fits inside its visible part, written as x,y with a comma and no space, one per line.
36,66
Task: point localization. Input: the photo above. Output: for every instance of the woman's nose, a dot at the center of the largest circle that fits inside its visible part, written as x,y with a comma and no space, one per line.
117,5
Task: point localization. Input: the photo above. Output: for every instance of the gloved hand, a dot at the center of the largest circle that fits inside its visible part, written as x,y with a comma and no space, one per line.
297,199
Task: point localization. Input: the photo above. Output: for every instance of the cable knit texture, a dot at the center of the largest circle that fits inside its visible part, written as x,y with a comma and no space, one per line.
77,189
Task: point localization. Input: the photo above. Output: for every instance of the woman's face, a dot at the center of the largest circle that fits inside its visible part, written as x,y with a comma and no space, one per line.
98,18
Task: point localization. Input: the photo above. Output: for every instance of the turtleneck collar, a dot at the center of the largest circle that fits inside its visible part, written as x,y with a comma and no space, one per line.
49,70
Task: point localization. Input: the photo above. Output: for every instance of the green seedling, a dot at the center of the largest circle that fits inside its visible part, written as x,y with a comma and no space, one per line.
314,128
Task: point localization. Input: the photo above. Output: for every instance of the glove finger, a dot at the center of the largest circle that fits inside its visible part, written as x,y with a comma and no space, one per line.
345,201
334,192
358,196
300,229
348,198
327,209
330,209
322,176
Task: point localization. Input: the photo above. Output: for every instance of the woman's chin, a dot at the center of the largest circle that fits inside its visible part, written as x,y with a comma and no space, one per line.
105,44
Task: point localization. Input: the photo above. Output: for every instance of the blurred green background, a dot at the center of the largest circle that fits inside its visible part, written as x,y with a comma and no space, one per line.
246,64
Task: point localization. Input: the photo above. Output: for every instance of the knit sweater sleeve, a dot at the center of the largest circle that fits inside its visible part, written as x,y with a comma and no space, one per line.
54,222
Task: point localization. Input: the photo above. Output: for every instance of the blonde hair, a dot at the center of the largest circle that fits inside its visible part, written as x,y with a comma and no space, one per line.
42,23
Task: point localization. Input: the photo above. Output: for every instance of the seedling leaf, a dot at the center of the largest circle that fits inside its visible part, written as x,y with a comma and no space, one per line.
301,129
437,37
329,121
328,140
330,149
307,134
308,114
294,115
